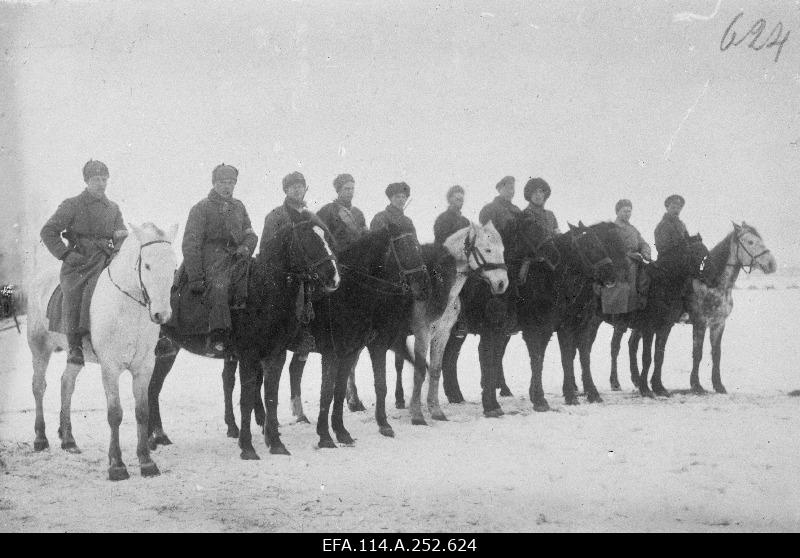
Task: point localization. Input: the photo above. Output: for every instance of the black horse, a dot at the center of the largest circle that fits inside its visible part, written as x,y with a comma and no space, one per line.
553,289
295,269
667,292
382,275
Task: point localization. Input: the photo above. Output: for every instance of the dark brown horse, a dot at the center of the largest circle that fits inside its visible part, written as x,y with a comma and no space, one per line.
296,268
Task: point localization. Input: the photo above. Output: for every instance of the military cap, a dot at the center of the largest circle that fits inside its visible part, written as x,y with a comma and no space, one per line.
224,172
505,180
341,180
622,203
293,178
454,190
94,168
536,184
674,198
397,188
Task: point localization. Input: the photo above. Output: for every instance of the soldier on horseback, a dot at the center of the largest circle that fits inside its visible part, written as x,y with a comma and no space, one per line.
93,227
217,245
446,224
501,211
672,241
537,191
398,194
345,222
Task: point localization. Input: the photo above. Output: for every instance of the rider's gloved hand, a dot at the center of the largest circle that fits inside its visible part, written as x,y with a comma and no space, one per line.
197,286
75,259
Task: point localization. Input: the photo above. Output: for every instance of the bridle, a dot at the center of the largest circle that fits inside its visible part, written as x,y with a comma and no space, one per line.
471,250
311,267
385,286
145,302
753,259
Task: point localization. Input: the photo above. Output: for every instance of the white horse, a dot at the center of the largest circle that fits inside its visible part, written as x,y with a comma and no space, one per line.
130,302
712,300
477,250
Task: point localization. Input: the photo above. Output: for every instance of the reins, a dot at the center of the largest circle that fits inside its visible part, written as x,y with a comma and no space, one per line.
145,303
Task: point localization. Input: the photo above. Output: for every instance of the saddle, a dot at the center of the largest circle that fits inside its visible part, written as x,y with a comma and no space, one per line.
54,311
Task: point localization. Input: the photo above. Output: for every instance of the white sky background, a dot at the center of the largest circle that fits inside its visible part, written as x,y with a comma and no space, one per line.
585,94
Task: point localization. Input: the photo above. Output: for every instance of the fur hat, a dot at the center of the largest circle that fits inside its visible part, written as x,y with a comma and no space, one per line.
536,184
674,197
341,180
398,188
94,168
454,190
293,178
622,203
505,180
224,172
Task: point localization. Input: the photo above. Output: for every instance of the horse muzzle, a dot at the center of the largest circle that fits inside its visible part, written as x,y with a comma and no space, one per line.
160,318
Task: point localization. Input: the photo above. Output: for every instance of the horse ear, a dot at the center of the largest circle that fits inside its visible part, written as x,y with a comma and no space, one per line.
571,226
744,225
736,227
172,232
137,231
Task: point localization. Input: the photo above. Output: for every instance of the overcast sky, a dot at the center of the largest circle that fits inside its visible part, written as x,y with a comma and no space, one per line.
604,100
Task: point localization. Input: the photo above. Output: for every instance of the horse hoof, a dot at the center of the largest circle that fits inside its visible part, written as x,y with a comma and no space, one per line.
150,470
541,406
345,439
279,449
163,440
438,416
572,400
698,390
647,393
326,443
118,473
70,447
720,389
662,392
249,455
40,445
594,398
505,392
233,431
356,407
303,418
399,404
457,400
386,431
615,386
494,413
419,422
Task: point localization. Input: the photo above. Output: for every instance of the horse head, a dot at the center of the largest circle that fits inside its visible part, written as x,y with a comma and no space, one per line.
750,249
310,253
592,253
404,259
532,241
155,266
484,249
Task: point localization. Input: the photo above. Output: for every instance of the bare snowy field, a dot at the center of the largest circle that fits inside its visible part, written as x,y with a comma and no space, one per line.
688,463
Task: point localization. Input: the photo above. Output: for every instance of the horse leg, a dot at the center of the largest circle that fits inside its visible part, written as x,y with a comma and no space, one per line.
715,336
420,369
326,389
353,401
141,381
566,342
296,367
585,356
157,436
437,344
698,337
662,334
68,378
272,367
258,403
399,394
450,369
536,340
633,356
116,468
488,363
228,383
378,357
345,368
616,342
41,358
647,347
501,375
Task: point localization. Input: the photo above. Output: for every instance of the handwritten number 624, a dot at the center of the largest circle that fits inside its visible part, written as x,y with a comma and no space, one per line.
775,37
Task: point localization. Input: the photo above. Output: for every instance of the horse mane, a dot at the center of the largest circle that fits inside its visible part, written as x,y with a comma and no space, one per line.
152,227
442,271
608,233
717,260
359,252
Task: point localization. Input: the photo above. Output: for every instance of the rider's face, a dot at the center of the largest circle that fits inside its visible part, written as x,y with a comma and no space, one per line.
674,208
296,192
346,192
399,200
457,200
624,213
97,185
224,187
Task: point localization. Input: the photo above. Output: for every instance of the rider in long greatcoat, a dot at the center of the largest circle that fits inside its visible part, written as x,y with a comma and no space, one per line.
671,237
217,245
537,191
345,221
398,194
93,227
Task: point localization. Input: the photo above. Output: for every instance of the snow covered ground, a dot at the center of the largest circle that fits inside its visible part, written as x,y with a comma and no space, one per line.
687,463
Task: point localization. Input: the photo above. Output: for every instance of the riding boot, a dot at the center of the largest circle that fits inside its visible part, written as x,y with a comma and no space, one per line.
75,355
216,341
460,328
